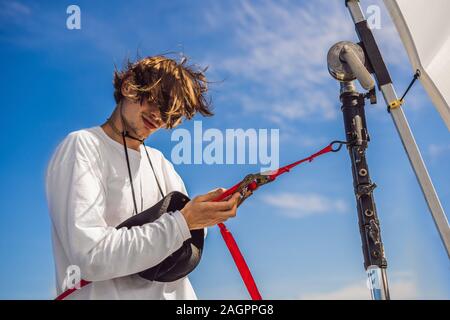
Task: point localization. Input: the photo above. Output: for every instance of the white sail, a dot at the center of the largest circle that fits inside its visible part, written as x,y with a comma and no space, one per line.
424,27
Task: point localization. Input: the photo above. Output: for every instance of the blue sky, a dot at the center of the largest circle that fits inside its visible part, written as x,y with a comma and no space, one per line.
268,63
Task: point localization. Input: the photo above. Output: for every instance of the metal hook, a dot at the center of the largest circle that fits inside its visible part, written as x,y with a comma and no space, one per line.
341,143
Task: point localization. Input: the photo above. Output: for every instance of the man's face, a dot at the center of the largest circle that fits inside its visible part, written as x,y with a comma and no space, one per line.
143,119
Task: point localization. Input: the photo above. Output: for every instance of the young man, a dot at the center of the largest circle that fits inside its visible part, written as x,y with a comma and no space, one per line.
101,176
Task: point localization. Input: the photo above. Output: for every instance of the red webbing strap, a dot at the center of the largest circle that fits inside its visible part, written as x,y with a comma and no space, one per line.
69,291
238,258
284,169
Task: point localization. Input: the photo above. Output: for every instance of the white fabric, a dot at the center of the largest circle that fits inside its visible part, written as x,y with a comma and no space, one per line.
89,193
424,28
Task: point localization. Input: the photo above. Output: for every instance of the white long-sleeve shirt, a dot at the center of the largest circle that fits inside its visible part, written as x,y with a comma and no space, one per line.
89,193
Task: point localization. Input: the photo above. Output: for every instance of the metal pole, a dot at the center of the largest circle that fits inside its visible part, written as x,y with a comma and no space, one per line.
357,141
416,161
385,85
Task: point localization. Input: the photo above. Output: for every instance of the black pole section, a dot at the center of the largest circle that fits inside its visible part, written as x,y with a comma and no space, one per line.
357,138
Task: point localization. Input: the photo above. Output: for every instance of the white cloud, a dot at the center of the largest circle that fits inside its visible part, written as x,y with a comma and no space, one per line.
437,150
301,205
293,137
42,27
280,51
403,288
14,10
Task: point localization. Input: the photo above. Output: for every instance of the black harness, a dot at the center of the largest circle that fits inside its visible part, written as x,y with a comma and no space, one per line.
184,260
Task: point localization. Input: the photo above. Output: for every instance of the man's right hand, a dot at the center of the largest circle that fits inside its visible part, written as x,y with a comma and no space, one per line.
202,212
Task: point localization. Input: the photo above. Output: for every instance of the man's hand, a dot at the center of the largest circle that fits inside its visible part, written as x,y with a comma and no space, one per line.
202,212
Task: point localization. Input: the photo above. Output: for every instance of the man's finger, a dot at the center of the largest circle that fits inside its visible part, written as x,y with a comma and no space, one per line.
219,206
228,214
234,199
211,195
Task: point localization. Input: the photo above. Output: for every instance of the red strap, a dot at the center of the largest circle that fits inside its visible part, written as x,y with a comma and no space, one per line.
284,169
240,263
69,291
231,243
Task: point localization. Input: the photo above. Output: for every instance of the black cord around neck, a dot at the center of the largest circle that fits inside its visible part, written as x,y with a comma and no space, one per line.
129,170
154,173
125,134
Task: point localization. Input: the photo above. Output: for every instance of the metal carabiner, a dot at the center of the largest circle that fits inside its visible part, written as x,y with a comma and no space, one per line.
341,143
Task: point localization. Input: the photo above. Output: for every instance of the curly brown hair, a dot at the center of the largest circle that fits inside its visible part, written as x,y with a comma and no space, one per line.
178,90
